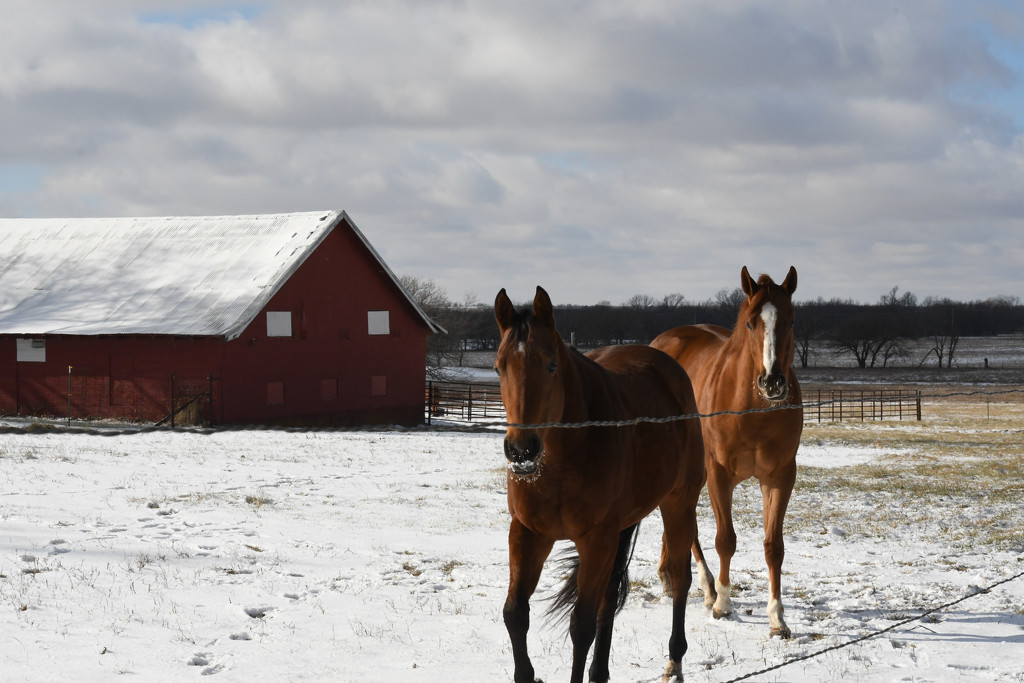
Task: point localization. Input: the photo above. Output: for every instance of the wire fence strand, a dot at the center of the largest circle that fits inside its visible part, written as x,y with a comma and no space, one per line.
874,634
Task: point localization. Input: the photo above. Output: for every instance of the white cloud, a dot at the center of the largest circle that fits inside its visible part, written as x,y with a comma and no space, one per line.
598,148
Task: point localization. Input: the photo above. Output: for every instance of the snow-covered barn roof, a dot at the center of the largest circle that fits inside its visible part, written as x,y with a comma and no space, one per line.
200,275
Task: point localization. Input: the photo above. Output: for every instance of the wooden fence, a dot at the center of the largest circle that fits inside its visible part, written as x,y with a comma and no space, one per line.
464,402
838,405
482,402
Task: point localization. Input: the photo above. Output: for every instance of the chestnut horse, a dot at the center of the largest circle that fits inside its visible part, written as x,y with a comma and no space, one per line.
592,484
747,368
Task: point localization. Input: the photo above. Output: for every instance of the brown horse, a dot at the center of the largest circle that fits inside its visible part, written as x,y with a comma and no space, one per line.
747,368
592,485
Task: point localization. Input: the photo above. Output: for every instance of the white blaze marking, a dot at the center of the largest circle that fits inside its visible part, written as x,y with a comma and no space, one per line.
769,314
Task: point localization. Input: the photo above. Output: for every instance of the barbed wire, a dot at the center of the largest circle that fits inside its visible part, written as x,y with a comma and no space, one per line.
55,426
887,629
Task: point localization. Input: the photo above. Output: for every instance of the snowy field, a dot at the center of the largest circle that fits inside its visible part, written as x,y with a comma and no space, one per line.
330,556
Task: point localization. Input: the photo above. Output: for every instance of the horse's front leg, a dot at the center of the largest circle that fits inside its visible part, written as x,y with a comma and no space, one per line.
720,490
775,495
526,554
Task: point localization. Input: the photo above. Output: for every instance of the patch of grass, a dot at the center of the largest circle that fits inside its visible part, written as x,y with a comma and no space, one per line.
258,501
956,476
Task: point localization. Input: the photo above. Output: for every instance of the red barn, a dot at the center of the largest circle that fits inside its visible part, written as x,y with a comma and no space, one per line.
283,318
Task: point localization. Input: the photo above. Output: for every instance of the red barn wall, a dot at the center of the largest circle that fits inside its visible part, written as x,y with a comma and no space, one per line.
330,370
123,376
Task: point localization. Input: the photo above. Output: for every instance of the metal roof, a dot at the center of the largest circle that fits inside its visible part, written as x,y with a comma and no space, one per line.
196,275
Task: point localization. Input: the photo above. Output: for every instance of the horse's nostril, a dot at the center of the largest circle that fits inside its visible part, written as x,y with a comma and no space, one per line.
773,386
517,452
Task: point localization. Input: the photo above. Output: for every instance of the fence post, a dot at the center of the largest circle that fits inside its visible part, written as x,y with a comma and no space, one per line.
69,396
430,400
918,405
469,403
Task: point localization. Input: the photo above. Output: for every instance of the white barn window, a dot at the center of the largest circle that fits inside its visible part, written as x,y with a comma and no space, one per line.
31,350
279,323
378,322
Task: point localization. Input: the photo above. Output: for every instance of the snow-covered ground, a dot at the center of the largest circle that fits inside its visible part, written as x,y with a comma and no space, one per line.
330,556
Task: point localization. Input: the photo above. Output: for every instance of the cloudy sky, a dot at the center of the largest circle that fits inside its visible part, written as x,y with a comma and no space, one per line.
599,148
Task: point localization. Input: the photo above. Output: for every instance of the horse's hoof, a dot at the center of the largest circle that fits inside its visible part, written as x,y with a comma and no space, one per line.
782,632
673,672
719,614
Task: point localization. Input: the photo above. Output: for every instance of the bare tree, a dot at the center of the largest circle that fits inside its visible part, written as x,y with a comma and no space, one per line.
641,301
730,299
865,336
674,300
942,329
443,350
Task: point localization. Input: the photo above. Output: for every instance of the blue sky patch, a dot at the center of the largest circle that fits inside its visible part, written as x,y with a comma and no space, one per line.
197,16
21,178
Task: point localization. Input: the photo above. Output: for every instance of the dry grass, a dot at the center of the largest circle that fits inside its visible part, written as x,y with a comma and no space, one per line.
958,474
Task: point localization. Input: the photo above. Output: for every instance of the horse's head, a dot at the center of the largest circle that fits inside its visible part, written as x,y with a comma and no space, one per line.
528,364
767,317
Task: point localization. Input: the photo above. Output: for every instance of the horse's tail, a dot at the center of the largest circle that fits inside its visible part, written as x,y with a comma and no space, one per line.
563,601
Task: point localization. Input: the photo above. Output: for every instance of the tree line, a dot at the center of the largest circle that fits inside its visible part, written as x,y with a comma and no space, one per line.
871,335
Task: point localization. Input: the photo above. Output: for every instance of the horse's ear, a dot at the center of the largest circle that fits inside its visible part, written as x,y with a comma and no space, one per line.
789,284
750,286
543,311
504,311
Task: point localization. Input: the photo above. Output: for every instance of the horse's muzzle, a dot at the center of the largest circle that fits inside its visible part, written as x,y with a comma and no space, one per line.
524,455
773,387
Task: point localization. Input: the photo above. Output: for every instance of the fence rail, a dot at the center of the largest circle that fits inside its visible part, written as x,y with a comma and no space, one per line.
470,402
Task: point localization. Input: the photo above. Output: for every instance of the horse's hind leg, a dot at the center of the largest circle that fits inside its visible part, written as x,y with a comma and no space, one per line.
775,496
597,553
680,517
527,553
614,597
705,579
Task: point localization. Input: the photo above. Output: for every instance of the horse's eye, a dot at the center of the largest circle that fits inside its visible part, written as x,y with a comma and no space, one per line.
497,371
750,325
552,367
